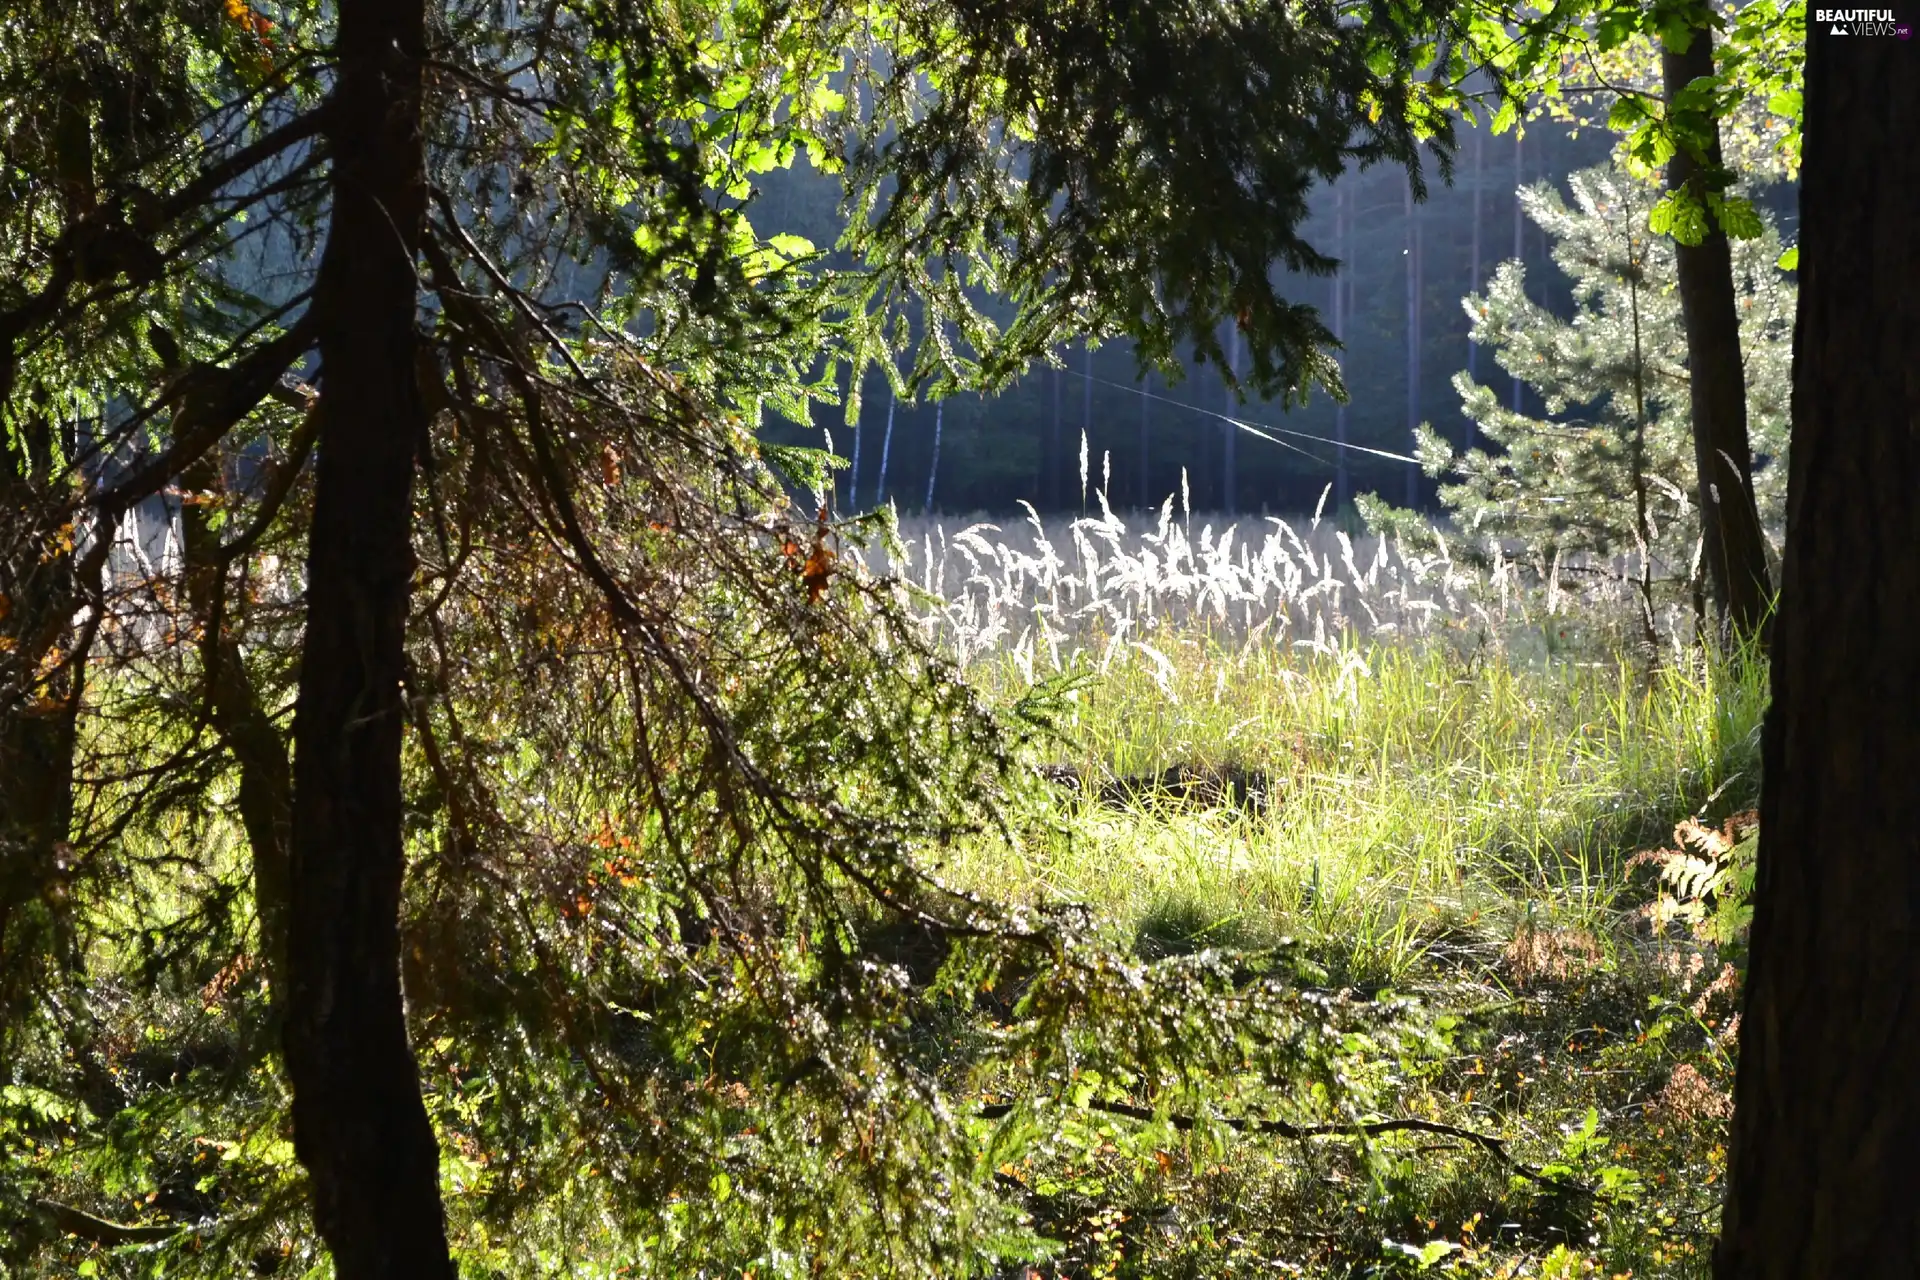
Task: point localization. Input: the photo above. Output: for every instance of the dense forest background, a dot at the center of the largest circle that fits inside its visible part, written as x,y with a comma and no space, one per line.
1408,265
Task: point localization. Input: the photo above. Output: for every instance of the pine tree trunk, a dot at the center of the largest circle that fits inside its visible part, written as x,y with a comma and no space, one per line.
1827,1118
933,468
1413,339
1519,227
1473,269
1056,452
360,1127
1146,406
1342,312
886,448
1230,434
1736,550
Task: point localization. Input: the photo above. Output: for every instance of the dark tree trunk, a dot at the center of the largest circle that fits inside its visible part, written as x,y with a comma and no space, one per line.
1822,1180
359,1124
1735,550
37,723
246,729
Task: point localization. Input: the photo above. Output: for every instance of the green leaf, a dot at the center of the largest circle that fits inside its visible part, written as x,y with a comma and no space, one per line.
1660,217
788,245
1679,215
1652,147
1626,114
1790,260
1614,28
1739,219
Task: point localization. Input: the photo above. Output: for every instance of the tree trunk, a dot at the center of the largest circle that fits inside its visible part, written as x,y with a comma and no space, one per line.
933,468
360,1127
1342,313
246,729
1056,453
1473,270
1413,340
38,716
1146,405
1736,551
1230,434
1519,227
1827,1118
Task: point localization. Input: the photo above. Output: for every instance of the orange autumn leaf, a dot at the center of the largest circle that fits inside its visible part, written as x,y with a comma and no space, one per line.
817,573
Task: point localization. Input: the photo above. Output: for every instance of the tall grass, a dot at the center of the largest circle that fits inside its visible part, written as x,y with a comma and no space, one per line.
1453,748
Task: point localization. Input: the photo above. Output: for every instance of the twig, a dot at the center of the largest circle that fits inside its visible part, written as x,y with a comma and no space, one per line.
1495,1147
78,1222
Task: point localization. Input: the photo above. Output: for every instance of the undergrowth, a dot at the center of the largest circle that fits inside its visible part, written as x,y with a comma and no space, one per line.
1475,828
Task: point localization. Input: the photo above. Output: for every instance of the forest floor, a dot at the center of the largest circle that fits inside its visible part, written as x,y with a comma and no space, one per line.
1454,828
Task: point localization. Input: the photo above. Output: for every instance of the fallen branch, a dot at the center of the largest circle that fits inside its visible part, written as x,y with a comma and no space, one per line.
78,1222
1495,1147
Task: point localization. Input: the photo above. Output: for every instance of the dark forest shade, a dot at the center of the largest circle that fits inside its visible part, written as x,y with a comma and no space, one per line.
999,450
1821,1176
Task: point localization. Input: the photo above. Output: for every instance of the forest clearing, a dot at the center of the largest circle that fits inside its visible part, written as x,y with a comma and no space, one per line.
514,764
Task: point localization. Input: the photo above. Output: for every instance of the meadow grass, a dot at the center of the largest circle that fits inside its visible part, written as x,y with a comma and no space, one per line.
1459,763
1449,751
1418,801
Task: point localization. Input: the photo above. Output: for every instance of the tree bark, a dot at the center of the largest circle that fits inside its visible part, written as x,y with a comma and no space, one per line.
1736,550
360,1126
245,727
1822,1179
38,717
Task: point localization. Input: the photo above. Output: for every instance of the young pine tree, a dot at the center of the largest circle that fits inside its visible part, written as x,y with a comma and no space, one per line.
1607,472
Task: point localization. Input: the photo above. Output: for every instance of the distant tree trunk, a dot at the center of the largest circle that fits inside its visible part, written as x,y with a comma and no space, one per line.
1821,1180
1736,550
1230,434
1086,404
359,1125
1479,168
886,447
1519,227
933,470
1146,405
1057,452
1413,337
853,470
1342,311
